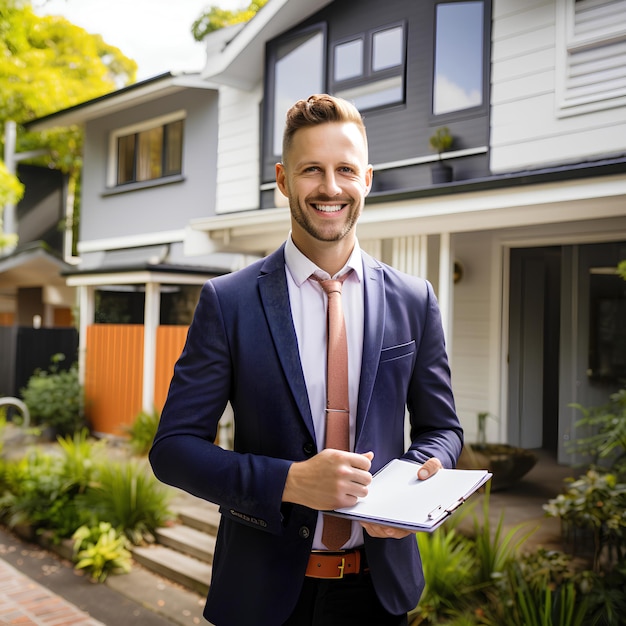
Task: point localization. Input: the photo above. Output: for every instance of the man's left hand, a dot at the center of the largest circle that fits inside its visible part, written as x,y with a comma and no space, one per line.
431,467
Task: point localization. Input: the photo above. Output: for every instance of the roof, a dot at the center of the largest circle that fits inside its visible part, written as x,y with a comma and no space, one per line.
133,95
240,61
33,265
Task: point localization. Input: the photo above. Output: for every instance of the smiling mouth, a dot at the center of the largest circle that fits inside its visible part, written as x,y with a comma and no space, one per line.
329,208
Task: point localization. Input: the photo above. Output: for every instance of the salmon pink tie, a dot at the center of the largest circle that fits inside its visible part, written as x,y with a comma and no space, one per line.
336,531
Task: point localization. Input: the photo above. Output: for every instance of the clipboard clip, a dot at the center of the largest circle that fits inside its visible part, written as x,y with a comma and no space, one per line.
438,511
454,506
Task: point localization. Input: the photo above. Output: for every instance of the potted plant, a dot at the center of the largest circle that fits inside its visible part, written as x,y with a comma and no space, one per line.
507,463
441,141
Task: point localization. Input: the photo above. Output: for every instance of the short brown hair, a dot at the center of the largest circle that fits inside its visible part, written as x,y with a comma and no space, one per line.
319,109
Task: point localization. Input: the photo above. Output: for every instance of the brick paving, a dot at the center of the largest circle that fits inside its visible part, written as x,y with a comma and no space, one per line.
24,602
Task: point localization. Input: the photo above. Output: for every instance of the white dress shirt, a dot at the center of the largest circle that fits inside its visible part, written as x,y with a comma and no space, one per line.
308,310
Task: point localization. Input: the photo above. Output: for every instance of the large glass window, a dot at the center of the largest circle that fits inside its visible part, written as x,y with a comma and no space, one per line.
298,72
369,69
458,70
149,153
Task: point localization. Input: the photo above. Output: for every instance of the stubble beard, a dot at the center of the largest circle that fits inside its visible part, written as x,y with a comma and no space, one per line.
327,235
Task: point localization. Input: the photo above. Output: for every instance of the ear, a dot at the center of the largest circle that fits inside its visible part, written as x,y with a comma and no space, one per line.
369,176
281,179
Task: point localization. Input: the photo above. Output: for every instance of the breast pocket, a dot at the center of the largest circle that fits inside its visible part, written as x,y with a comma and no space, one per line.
397,352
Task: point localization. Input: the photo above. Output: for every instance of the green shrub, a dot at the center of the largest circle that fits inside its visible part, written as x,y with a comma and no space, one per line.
142,431
595,503
38,493
101,550
606,444
54,398
131,499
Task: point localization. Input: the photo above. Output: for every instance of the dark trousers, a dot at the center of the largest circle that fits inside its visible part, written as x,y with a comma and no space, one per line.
350,601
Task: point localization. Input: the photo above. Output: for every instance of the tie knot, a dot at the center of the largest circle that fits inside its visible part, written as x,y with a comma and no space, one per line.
331,285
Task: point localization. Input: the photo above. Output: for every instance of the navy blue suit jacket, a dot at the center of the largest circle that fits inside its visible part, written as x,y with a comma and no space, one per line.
242,347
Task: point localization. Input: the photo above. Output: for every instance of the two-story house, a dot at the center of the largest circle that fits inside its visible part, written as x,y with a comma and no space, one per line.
149,170
521,245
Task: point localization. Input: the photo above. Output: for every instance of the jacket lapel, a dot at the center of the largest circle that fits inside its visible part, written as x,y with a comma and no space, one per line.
373,329
275,299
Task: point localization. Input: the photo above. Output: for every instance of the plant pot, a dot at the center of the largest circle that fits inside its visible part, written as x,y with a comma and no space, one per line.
508,464
440,173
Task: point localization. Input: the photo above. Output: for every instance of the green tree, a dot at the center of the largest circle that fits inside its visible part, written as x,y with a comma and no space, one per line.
216,18
48,64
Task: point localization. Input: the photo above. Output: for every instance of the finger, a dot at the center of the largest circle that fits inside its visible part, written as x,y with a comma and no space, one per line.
361,461
385,532
431,467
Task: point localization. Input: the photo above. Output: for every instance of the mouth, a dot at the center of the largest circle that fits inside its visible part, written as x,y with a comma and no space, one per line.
328,208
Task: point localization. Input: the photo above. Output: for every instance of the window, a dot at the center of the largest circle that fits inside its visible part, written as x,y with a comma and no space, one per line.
147,152
298,71
459,58
591,53
368,69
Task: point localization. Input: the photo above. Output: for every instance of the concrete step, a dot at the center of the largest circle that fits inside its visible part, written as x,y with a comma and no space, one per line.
175,566
201,515
188,540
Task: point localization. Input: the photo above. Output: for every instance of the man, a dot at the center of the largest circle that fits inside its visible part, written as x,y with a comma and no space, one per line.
258,340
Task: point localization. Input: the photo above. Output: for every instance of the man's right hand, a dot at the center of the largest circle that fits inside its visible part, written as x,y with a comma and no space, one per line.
331,479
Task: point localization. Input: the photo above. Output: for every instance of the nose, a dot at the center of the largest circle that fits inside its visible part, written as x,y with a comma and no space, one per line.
329,184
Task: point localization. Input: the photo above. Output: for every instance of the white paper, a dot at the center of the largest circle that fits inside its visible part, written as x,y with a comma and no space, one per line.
396,497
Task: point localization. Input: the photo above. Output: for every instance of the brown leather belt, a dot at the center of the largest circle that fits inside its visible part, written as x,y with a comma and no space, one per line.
324,564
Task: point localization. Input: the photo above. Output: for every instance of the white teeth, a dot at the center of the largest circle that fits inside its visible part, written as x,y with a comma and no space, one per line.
328,208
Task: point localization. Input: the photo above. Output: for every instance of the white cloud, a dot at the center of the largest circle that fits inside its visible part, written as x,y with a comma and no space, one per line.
452,97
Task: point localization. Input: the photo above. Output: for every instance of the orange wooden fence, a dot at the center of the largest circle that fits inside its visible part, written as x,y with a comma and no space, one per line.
114,372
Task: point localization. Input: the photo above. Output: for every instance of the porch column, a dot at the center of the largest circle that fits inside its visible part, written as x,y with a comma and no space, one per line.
150,325
446,281
86,308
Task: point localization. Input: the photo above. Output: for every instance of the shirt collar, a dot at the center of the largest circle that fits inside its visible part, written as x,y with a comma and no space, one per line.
301,267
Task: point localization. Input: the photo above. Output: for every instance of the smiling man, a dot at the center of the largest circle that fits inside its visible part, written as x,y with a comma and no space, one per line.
259,340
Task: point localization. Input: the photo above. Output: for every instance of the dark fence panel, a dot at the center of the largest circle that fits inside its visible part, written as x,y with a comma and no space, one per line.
8,337
35,348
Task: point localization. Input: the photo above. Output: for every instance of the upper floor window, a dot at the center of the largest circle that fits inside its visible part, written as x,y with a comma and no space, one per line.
369,69
591,55
298,71
147,151
459,57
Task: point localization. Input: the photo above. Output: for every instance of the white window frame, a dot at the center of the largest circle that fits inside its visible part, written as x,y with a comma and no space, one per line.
570,44
114,136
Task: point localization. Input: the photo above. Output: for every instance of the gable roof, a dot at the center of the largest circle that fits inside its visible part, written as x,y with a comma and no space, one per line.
238,61
133,95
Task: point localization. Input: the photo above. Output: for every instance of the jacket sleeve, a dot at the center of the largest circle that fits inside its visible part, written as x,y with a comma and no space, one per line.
435,428
247,487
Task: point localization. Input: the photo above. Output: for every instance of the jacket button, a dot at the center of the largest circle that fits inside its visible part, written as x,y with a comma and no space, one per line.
309,449
304,532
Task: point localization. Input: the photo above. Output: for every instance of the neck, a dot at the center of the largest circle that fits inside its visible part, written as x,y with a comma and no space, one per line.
329,256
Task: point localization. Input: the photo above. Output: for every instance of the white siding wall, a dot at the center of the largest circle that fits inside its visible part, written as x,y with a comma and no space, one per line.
528,127
475,348
238,150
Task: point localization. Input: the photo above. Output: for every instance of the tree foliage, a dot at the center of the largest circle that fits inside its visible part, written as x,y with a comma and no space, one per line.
48,64
216,18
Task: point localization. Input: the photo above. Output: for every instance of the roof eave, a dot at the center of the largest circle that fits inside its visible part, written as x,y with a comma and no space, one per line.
121,99
240,63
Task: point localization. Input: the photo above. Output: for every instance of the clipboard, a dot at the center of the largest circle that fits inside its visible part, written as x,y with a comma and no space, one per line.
396,497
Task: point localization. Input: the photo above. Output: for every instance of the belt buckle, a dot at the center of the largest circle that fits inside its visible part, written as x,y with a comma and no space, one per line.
340,568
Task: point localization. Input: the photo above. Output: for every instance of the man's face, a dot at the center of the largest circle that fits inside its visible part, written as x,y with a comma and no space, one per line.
326,178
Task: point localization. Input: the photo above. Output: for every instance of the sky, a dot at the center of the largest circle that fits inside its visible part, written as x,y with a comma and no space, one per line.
155,33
